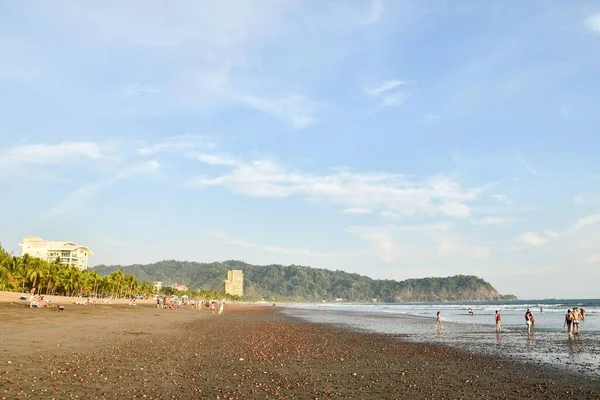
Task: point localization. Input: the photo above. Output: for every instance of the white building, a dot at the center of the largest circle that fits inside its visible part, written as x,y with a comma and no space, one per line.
69,253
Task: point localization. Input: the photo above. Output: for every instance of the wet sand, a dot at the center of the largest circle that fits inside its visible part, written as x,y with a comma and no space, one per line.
114,351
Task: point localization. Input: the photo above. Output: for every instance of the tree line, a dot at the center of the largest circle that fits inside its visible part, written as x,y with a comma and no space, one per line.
21,274
300,283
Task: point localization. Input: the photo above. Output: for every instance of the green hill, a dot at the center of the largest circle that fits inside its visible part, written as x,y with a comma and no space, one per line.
311,284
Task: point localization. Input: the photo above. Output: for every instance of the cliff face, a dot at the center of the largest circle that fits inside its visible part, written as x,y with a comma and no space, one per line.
307,284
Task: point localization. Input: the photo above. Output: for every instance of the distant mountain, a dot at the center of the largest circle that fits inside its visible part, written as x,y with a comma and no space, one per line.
312,284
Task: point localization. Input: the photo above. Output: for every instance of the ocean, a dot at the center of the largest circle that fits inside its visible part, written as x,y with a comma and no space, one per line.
548,345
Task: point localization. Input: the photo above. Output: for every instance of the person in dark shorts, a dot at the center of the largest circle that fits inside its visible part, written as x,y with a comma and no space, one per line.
569,322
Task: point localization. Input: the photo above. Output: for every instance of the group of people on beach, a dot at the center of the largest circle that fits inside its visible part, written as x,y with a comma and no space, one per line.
169,303
572,319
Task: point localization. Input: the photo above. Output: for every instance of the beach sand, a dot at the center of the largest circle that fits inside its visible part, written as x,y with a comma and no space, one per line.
121,351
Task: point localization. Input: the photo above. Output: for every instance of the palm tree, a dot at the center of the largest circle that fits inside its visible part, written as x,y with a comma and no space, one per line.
94,276
23,268
117,278
71,280
37,272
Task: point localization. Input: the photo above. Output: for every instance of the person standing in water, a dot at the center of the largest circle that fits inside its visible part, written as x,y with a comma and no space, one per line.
529,321
498,322
438,321
569,323
576,316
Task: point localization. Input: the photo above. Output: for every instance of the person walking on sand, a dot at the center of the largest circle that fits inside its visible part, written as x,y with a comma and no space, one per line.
221,306
529,321
438,321
498,322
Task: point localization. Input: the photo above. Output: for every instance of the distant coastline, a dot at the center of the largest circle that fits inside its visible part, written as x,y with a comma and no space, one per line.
306,284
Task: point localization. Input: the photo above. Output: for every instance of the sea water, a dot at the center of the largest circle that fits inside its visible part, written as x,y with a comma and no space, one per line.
549,344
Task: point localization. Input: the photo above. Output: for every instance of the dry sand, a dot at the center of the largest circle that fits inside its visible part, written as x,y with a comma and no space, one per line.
249,352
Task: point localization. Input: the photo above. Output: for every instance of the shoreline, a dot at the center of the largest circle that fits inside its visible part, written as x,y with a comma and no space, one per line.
248,352
551,348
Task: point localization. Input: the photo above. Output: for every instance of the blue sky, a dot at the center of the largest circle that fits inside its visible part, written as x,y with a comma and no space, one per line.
392,139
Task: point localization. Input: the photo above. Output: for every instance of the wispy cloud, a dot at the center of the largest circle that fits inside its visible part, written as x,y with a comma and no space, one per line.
213,159
384,87
43,154
388,93
584,222
357,211
502,198
593,23
379,192
533,239
430,118
182,143
134,89
76,201
519,157
491,221
297,110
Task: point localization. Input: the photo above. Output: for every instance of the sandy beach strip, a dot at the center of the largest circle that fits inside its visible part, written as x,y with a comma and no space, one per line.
249,352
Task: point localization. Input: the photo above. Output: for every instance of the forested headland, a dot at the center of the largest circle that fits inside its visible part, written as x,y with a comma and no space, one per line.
299,283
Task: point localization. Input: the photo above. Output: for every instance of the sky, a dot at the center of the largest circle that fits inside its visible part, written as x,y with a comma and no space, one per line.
394,139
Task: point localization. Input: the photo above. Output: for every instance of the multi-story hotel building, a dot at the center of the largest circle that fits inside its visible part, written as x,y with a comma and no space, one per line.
69,253
234,284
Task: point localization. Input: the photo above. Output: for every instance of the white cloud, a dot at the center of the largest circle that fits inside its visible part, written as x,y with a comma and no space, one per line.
593,23
77,200
491,221
519,157
379,192
455,209
357,211
43,154
394,100
388,94
501,198
135,89
585,221
430,118
533,239
180,143
213,159
297,110
384,87
551,234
